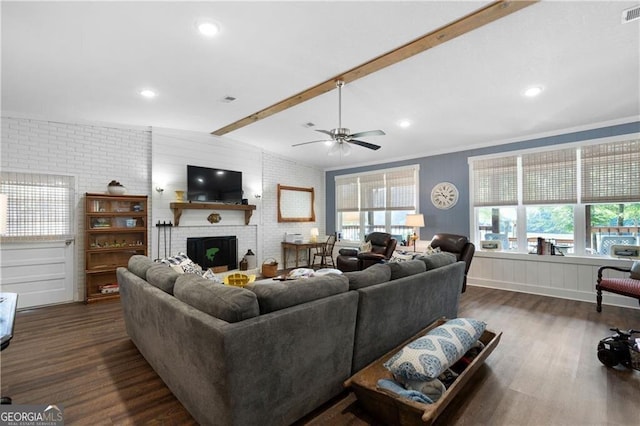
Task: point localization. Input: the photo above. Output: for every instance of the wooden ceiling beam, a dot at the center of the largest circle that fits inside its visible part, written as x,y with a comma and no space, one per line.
468,23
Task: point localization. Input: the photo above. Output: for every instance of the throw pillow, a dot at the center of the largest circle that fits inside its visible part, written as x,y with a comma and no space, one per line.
365,247
430,250
635,270
427,357
176,260
187,267
400,257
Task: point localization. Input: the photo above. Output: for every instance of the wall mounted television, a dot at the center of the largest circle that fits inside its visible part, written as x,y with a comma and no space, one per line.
206,184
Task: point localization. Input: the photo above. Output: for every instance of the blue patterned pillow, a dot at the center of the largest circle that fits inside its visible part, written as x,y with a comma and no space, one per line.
428,356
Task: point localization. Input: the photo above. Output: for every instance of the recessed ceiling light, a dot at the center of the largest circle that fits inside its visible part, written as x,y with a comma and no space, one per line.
533,91
404,123
207,28
148,93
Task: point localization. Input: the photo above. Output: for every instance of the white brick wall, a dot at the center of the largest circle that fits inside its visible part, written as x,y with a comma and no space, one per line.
97,153
94,154
280,170
261,173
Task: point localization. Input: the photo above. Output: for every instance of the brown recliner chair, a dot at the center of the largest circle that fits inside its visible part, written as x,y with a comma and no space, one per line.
382,247
458,245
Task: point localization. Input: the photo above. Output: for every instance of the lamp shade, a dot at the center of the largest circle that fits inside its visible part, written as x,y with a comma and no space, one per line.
314,234
415,220
4,207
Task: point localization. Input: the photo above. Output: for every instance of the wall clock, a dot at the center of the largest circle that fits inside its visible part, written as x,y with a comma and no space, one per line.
444,195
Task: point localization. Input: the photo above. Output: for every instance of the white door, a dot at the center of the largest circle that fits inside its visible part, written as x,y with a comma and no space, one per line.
42,273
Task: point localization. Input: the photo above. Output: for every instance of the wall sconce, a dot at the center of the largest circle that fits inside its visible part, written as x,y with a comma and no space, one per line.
160,190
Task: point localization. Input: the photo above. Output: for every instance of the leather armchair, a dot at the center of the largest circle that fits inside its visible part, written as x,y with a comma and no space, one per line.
382,248
458,245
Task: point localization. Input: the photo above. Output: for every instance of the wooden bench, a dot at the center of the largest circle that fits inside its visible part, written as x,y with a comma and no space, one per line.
624,286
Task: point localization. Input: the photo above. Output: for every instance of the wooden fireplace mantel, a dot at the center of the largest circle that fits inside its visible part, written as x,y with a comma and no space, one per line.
179,207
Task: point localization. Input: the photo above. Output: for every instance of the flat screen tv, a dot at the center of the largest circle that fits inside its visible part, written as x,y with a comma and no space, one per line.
206,184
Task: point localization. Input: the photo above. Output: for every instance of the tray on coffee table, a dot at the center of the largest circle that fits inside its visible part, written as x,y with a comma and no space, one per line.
393,409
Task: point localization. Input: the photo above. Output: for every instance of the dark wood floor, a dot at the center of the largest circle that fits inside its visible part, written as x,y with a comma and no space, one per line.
544,371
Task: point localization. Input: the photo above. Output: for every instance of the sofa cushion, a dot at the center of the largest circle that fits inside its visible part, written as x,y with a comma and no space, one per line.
438,260
276,295
374,274
231,304
404,269
430,355
162,276
139,264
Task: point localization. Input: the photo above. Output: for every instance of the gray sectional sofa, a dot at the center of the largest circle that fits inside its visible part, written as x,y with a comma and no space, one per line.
270,353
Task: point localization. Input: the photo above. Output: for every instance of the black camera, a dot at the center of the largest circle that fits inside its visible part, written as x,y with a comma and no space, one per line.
617,349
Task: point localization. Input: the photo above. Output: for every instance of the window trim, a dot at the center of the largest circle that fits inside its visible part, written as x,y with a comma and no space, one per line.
579,208
415,168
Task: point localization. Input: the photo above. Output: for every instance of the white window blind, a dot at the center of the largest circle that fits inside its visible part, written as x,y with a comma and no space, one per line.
495,182
401,189
611,172
347,194
372,192
40,206
388,190
549,177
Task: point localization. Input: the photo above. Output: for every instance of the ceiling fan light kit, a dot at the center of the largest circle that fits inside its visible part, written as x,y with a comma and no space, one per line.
341,136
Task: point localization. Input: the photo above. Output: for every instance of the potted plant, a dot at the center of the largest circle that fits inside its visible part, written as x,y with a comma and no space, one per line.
116,188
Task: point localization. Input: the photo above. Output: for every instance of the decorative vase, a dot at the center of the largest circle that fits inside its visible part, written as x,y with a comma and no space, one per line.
179,196
116,190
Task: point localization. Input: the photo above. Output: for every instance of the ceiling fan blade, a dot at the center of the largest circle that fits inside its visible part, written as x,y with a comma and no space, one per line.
365,144
326,132
368,133
307,143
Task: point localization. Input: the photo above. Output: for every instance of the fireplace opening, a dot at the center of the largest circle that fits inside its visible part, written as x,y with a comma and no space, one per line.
210,252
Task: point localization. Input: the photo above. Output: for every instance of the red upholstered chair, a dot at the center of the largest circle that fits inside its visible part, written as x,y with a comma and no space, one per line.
624,286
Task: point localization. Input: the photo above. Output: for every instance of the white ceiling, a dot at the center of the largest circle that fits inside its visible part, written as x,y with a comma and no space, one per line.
88,60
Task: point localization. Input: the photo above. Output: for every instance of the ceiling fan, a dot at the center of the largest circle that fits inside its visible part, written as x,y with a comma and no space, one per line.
341,136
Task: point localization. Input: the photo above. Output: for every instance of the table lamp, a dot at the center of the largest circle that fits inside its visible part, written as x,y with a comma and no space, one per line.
416,221
314,235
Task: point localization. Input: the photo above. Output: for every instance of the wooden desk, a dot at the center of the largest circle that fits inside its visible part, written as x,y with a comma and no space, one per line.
297,247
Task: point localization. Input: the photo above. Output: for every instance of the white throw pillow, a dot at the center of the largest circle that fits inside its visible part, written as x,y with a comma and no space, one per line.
365,247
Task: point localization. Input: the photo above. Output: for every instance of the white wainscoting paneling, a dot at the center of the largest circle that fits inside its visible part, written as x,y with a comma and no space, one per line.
568,277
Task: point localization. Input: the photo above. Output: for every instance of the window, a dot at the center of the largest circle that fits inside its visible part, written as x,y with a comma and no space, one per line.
376,202
547,193
40,206
611,224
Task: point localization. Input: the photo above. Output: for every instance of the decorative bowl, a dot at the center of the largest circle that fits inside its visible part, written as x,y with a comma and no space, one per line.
116,190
